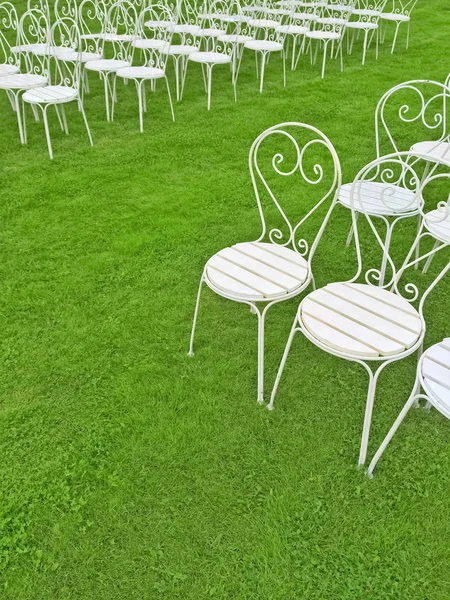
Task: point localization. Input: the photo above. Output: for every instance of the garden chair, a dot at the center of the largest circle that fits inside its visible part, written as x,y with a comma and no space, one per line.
9,61
289,158
64,86
366,20
358,319
400,13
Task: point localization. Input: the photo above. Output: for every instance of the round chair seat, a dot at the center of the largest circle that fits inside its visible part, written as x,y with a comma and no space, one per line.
140,73
264,46
234,38
186,28
322,35
22,81
210,32
257,270
366,12
305,17
360,320
106,64
73,56
33,48
210,57
118,37
438,223
377,198
394,17
179,50
293,29
160,24
362,25
6,69
50,94
436,374
150,44
91,36
264,23
434,151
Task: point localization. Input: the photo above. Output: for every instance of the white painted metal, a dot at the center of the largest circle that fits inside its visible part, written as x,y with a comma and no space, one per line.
156,19
432,385
400,13
277,265
65,84
365,19
373,321
119,32
9,61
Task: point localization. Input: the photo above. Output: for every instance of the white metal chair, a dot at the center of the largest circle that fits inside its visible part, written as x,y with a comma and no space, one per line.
329,29
9,61
361,320
432,385
65,84
66,8
400,13
120,30
153,68
41,5
277,265
366,20
32,31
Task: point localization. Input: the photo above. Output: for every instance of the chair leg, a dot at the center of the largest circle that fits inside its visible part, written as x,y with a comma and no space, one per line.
81,109
35,112
19,118
284,67
407,35
373,379
324,58
263,64
294,329
395,37
176,65
430,258
106,85
209,69
47,131
24,123
170,98
141,107
398,421
194,323
366,33
387,244
64,120
294,45
12,100
351,232
261,318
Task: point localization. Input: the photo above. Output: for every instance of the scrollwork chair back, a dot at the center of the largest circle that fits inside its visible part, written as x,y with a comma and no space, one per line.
8,33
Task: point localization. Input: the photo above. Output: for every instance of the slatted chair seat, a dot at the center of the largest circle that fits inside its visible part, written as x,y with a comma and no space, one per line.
210,32
264,23
361,320
264,45
53,94
152,43
40,49
106,64
293,29
234,38
365,12
21,81
361,25
179,49
6,69
186,28
394,17
141,72
322,35
434,151
436,373
378,198
73,56
257,270
438,223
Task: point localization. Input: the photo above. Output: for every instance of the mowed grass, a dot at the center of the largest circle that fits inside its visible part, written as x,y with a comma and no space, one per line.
130,471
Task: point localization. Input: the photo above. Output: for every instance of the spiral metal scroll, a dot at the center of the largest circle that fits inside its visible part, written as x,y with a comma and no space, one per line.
8,21
311,174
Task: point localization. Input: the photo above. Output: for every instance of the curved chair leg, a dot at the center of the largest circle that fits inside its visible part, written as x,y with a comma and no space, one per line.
64,120
324,60
294,329
24,123
19,118
176,65
106,86
351,232
373,379
47,131
141,106
430,258
12,100
170,98
261,318
194,323
263,64
387,244
398,421
366,34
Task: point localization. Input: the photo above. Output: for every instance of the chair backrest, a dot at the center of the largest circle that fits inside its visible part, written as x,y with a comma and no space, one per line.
41,5
122,24
375,5
406,171
66,8
92,20
411,112
334,17
213,11
296,161
8,33
402,7
33,28
65,34
156,23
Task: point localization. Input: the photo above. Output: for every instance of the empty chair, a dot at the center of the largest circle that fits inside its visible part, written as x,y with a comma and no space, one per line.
64,86
432,385
154,58
120,31
9,61
366,17
359,319
277,265
32,30
399,13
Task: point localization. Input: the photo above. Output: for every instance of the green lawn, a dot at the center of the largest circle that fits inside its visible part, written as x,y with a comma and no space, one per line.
129,471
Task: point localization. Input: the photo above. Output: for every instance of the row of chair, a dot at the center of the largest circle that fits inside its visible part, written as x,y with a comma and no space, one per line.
376,317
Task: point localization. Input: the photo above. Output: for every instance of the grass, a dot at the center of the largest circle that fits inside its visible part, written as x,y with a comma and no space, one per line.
129,471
